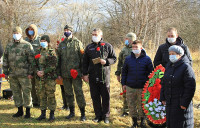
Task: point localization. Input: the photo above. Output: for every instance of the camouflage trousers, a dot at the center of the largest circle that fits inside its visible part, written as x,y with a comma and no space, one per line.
72,86
125,104
47,90
21,88
134,101
35,91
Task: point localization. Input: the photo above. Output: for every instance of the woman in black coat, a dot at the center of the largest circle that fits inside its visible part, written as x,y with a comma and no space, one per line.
178,88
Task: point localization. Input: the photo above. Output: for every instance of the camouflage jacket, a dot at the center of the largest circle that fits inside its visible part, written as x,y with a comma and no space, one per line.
70,53
47,63
35,43
18,59
126,51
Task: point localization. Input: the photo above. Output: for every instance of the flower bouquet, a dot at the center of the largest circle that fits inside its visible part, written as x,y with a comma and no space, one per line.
152,107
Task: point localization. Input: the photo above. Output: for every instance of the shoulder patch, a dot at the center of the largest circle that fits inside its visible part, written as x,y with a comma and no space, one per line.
82,51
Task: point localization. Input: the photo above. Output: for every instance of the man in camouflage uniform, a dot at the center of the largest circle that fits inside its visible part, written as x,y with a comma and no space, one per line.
70,53
126,51
18,59
46,74
34,39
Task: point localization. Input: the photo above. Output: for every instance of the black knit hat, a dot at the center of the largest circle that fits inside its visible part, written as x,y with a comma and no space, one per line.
68,27
45,37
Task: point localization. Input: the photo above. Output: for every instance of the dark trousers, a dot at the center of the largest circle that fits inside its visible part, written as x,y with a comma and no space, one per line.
63,96
100,94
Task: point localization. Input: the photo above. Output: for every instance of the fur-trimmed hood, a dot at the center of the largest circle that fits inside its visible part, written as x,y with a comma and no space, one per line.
35,31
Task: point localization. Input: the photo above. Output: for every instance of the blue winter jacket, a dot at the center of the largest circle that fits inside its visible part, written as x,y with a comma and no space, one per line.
135,71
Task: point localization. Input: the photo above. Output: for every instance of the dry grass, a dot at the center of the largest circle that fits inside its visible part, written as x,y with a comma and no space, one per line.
7,108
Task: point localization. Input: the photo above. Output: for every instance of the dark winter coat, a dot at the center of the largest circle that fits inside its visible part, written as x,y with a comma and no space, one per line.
178,88
95,70
136,70
162,54
1,50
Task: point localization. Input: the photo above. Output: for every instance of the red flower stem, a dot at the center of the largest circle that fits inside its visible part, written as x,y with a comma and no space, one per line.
102,65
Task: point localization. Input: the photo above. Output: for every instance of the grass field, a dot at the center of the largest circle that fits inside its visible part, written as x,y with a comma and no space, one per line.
7,108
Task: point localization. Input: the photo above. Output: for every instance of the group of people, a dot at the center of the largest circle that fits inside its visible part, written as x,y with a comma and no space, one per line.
32,66
178,83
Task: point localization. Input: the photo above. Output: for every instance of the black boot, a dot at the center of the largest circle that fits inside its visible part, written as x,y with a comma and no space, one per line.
72,114
36,105
124,114
28,114
43,115
19,112
65,107
135,124
97,119
51,116
142,124
83,118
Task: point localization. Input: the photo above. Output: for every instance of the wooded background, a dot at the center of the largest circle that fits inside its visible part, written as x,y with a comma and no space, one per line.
149,19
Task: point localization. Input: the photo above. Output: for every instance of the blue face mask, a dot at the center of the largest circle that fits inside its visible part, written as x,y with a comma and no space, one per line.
173,58
136,51
67,34
31,32
126,42
43,44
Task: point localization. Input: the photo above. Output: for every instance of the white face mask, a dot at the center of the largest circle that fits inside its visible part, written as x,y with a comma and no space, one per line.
17,36
96,39
136,51
171,40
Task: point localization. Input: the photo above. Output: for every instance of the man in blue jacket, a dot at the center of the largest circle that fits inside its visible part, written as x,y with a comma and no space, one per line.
135,73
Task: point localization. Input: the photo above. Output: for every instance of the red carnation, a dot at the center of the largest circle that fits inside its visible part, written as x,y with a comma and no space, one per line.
37,56
149,116
62,39
162,69
151,75
123,92
143,100
98,49
2,75
157,81
146,111
102,44
74,73
142,95
58,42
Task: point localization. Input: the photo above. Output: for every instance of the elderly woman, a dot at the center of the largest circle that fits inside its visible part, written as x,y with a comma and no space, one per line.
178,88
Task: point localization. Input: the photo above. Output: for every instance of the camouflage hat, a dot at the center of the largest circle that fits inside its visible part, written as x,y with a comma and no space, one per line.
68,27
131,36
45,37
18,30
